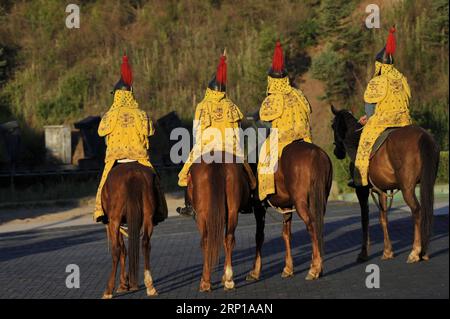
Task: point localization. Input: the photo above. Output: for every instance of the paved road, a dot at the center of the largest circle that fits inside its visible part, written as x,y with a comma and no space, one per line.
33,263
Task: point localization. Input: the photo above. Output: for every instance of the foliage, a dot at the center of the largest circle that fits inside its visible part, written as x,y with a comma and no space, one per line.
60,75
442,176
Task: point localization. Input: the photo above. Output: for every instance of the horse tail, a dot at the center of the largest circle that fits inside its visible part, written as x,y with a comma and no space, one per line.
429,154
319,190
215,220
133,212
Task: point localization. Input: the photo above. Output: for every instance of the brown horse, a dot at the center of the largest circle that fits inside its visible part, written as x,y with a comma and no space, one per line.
303,180
129,196
218,191
409,156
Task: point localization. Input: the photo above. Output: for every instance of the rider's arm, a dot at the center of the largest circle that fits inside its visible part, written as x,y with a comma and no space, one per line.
107,123
369,109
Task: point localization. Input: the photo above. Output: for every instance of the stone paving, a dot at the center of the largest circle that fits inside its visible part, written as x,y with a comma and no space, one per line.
33,263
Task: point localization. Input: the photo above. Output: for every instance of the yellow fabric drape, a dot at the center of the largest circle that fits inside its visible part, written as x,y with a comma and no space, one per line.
126,129
218,112
391,94
289,112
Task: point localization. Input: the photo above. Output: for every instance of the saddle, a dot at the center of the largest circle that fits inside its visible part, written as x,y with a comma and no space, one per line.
381,139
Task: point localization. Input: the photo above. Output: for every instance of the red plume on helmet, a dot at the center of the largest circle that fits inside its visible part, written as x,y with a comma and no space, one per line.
390,42
278,60
221,75
125,70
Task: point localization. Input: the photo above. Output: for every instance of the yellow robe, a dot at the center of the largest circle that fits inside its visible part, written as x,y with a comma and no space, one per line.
126,129
391,93
215,111
289,112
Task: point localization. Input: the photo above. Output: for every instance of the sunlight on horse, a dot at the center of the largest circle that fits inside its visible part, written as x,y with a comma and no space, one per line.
129,196
408,157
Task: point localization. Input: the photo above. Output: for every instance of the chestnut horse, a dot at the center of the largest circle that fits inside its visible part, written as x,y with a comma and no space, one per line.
409,156
217,192
129,196
303,180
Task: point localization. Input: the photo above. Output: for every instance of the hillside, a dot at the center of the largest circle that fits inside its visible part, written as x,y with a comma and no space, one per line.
51,75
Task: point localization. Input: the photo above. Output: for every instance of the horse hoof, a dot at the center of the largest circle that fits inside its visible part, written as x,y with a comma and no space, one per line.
362,258
287,274
122,289
151,292
205,287
251,277
133,288
425,257
107,296
413,258
313,275
388,255
229,285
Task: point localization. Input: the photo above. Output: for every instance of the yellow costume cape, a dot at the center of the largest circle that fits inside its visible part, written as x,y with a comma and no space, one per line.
289,112
126,129
391,93
215,111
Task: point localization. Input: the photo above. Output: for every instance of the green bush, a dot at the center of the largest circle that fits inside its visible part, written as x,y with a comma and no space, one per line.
67,104
442,176
307,33
330,68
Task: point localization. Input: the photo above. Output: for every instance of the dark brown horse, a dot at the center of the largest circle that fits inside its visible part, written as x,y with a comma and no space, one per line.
130,196
303,180
218,191
409,156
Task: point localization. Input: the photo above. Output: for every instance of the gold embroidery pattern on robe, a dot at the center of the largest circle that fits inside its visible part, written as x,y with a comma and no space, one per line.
289,112
392,110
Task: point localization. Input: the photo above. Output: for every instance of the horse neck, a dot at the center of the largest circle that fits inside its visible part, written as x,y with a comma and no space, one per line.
352,138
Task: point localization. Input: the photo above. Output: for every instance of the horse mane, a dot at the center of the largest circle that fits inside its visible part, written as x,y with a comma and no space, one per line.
350,131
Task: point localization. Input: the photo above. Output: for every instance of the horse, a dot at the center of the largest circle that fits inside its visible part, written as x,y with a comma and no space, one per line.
129,196
409,156
218,191
303,180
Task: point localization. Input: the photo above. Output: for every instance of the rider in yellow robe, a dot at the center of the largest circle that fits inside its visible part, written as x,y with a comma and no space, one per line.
389,93
216,125
126,129
288,111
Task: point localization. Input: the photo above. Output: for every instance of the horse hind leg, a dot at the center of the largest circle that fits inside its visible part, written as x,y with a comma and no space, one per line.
123,286
229,242
288,270
315,269
148,210
115,252
205,281
411,200
387,252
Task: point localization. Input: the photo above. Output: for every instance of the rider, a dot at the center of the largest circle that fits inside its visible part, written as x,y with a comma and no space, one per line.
288,111
126,129
387,105
216,111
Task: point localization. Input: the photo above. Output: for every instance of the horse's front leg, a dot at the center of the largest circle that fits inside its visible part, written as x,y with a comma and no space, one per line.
363,197
260,216
115,252
229,242
288,270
